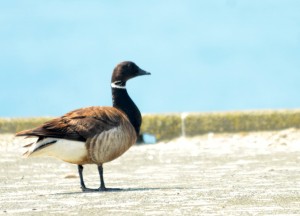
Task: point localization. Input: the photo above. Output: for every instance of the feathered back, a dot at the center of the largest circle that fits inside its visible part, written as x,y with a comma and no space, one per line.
79,124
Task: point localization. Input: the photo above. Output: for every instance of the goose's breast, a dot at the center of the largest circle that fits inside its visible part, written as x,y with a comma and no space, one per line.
111,144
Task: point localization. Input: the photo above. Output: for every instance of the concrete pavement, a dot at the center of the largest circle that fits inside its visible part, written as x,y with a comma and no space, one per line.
224,174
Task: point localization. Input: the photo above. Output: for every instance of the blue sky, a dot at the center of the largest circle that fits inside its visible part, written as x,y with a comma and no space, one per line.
214,55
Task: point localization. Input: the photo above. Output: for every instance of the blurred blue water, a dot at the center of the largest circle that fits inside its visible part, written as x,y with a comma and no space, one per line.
203,55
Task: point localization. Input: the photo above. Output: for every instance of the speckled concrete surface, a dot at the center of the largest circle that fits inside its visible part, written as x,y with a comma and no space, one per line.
226,174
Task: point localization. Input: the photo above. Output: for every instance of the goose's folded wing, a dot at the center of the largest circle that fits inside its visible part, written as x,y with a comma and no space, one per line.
79,124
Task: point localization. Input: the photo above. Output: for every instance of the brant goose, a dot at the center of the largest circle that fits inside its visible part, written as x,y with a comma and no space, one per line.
92,135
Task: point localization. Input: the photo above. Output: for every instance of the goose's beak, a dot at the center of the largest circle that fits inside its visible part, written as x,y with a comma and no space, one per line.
142,72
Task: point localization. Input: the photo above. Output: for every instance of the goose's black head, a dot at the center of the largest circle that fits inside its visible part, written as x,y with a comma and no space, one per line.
125,71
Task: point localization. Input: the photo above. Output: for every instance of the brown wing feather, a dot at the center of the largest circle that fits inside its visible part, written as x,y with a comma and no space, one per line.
79,124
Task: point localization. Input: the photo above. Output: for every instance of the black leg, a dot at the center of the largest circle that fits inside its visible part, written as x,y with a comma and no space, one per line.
102,185
82,185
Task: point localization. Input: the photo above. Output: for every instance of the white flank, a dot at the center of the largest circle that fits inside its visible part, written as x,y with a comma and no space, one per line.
66,150
114,85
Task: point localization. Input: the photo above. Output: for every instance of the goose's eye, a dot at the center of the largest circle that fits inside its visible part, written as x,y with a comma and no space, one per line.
129,66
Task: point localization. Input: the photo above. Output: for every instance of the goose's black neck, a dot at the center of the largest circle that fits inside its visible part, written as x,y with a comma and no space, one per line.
122,101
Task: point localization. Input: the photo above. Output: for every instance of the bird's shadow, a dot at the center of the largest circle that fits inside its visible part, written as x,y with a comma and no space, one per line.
118,190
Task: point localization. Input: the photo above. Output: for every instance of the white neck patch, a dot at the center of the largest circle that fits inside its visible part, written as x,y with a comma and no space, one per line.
116,84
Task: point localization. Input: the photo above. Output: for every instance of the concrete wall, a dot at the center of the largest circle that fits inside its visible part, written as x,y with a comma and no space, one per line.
191,124
169,126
